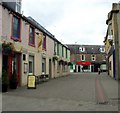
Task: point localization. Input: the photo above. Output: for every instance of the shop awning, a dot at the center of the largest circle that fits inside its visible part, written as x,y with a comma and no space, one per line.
83,63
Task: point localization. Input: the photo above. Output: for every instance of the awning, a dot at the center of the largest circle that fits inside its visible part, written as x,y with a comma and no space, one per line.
83,63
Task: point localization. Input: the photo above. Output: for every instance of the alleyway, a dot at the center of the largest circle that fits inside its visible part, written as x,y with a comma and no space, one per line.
76,92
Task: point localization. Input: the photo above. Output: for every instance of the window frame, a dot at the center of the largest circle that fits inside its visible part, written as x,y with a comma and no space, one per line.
44,42
32,44
93,57
82,49
82,59
13,37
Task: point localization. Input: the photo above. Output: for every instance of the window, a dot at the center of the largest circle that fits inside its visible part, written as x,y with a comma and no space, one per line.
82,57
102,49
24,57
58,67
93,58
82,49
16,28
44,42
43,66
66,53
31,36
18,7
31,65
62,51
57,49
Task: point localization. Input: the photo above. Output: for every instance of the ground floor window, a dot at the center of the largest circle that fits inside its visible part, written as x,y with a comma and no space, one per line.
31,65
58,67
43,65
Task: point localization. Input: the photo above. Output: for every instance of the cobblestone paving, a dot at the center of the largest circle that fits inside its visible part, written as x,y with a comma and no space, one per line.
75,92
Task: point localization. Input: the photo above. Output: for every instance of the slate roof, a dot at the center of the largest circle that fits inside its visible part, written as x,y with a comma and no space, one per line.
89,49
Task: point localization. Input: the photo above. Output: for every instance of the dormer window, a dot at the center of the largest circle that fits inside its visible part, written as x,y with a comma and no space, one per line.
102,49
82,49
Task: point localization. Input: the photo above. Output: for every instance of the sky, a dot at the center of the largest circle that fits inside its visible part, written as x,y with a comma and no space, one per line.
71,21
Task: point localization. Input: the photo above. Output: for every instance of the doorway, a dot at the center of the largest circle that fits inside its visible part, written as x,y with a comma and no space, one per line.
16,64
50,68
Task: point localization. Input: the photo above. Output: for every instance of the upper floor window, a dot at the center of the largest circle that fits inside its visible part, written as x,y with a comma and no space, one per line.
44,42
62,51
102,49
57,49
16,28
93,58
82,49
66,53
82,57
18,7
32,36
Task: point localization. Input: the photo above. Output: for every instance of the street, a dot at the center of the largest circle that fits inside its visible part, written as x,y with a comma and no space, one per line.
75,92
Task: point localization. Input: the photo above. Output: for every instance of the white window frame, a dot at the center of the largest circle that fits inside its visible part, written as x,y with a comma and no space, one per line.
93,57
44,68
82,49
32,61
102,49
83,57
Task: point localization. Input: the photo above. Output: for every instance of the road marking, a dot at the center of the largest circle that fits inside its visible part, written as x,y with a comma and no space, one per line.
100,95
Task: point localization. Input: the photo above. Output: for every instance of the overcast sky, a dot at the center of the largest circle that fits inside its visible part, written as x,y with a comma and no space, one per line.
81,21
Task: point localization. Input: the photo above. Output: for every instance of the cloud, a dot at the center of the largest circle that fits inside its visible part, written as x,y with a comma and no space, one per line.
70,21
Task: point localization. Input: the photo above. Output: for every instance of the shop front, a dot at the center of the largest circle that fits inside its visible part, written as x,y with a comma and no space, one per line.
83,66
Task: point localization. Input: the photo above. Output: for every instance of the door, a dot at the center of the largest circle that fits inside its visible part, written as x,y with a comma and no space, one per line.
16,64
92,68
50,68
78,68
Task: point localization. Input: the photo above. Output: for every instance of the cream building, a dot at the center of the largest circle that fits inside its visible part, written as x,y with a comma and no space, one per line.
33,49
112,41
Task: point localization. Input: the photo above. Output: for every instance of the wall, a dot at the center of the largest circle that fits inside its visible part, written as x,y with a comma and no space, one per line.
0,41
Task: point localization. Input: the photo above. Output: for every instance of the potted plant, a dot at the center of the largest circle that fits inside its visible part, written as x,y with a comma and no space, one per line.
5,81
13,81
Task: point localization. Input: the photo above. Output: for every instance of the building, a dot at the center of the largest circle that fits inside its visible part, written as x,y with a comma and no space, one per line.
14,5
87,58
112,41
29,48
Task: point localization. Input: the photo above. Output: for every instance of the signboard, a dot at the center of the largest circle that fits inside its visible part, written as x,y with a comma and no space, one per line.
83,63
31,82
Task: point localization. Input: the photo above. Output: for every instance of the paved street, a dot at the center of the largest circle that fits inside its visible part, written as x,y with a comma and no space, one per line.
76,92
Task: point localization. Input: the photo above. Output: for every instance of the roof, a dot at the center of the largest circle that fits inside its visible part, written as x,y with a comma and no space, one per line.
89,49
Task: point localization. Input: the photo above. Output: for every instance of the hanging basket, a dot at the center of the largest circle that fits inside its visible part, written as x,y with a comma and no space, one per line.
7,48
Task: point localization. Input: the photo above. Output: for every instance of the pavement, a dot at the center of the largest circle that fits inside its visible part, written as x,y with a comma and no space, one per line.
76,92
